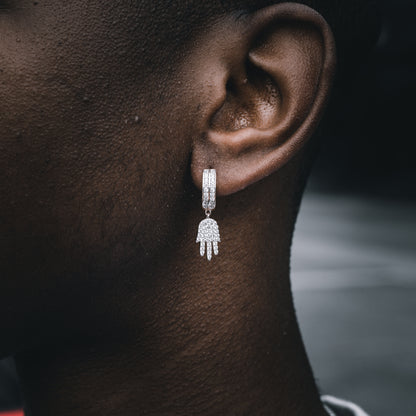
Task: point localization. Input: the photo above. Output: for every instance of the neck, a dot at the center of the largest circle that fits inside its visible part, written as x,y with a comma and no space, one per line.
216,338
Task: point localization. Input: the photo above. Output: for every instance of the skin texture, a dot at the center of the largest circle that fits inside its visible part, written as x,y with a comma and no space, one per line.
105,132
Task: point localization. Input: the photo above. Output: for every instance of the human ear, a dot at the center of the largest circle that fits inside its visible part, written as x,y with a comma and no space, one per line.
268,84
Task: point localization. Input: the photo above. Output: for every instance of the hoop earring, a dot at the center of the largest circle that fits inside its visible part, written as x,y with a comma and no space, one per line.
208,231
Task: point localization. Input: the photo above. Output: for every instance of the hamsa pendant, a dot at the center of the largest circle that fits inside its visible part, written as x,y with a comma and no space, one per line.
208,237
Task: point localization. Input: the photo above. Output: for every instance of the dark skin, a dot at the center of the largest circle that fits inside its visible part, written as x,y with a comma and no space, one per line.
104,299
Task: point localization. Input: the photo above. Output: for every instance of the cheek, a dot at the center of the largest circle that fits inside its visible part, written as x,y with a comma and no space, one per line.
84,184
80,208
92,167
77,208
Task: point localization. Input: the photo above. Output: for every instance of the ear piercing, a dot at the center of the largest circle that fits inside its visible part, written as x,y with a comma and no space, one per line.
208,231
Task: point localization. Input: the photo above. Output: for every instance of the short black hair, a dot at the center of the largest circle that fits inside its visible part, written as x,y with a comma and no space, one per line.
355,23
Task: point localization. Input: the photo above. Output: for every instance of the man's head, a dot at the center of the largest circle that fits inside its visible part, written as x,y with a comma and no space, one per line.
110,111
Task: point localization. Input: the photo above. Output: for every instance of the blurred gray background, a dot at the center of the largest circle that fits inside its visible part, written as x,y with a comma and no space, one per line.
353,263
354,254
355,289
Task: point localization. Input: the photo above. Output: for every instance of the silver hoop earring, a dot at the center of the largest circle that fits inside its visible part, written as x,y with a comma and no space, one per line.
208,231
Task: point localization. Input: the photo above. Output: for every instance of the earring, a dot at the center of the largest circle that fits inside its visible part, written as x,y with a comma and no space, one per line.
208,231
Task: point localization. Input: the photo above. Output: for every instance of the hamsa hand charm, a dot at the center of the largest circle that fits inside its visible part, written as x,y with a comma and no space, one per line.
209,235
208,231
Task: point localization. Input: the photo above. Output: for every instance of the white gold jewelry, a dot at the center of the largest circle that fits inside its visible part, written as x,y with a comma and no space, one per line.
208,231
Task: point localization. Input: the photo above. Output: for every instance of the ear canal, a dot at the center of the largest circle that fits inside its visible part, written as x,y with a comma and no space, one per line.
252,101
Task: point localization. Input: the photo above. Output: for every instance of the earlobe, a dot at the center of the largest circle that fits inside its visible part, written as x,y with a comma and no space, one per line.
277,83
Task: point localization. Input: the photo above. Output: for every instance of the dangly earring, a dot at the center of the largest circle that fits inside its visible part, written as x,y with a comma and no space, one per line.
208,231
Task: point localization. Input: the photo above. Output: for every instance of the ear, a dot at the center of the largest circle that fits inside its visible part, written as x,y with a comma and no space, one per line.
268,77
